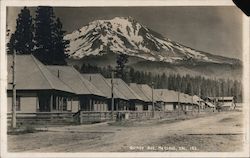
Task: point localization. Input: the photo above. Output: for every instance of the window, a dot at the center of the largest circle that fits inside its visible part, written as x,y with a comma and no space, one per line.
145,107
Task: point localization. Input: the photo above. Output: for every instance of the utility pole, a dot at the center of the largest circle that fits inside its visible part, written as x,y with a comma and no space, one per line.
178,110
13,121
192,93
112,94
153,105
178,99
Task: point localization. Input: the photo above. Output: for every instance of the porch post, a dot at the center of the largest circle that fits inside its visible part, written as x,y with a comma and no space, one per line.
90,104
51,102
71,103
37,104
59,102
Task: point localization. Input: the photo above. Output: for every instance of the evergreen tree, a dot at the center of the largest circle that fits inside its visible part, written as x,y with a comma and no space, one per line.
121,61
60,44
50,46
21,40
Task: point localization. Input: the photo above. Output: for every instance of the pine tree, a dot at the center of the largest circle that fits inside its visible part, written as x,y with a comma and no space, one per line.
121,61
50,46
60,44
21,40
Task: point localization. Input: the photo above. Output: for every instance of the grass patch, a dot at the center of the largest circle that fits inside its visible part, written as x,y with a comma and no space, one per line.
23,130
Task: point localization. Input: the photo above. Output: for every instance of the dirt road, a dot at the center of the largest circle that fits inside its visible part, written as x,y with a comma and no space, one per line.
220,132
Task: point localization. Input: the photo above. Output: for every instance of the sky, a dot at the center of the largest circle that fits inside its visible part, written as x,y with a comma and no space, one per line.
216,30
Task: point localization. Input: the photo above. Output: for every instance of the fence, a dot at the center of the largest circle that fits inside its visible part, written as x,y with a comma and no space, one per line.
93,116
85,117
43,118
100,116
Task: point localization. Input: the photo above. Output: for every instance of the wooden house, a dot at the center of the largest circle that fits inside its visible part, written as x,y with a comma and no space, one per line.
225,103
146,92
200,102
121,102
172,100
88,97
38,90
135,101
147,101
188,102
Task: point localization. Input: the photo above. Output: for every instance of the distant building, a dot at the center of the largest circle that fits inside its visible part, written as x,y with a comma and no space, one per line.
148,91
169,99
199,101
147,99
225,103
172,99
135,101
121,102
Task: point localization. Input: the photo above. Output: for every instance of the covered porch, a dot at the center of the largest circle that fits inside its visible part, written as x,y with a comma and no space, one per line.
54,101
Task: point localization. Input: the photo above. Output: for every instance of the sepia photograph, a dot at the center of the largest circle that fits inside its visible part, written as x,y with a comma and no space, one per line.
124,79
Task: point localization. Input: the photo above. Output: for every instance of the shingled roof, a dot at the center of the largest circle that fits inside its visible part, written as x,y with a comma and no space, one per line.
31,74
70,76
125,89
104,86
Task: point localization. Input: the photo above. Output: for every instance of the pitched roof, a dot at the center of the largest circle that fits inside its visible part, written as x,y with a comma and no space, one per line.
223,98
197,98
138,90
167,95
147,90
103,85
125,89
31,74
70,76
172,96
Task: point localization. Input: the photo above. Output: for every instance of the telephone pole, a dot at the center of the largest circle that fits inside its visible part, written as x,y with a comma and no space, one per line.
179,106
153,105
112,94
13,121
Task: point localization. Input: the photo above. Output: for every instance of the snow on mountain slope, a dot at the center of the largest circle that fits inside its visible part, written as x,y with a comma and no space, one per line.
127,36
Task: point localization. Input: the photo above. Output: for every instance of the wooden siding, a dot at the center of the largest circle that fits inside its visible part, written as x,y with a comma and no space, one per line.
27,104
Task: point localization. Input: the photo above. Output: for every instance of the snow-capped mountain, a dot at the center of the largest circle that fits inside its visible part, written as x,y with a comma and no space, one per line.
126,35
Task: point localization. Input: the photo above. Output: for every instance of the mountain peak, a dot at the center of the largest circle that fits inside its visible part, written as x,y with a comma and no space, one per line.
126,35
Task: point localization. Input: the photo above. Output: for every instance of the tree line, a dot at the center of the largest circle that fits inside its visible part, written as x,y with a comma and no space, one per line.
192,85
41,36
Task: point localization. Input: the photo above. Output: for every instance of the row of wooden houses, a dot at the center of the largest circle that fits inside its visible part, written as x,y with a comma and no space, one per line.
42,88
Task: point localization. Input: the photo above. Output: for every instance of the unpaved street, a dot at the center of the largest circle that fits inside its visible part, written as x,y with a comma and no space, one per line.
218,132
